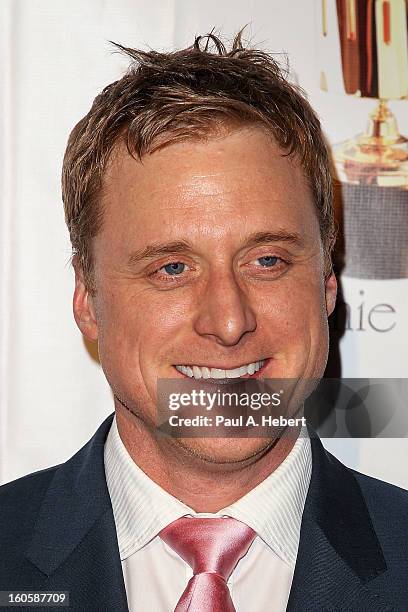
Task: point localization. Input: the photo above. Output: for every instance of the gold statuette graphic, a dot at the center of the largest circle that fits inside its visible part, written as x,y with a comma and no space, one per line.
370,40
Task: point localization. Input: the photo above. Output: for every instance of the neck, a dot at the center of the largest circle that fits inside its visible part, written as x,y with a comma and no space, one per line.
188,475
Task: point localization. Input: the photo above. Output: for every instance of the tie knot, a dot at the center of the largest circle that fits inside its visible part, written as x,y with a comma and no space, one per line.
209,545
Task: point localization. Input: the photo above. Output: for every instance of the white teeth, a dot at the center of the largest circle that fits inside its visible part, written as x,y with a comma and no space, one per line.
234,373
217,373
197,372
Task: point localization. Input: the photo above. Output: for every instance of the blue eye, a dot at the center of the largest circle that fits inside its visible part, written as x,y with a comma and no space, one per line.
268,261
174,268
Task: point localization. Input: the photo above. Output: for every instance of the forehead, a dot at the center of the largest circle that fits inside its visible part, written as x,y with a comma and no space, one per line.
239,175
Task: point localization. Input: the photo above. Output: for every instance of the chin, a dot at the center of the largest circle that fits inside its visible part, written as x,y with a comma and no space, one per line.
222,451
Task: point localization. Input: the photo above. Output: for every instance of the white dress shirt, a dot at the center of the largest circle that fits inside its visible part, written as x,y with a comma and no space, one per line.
155,576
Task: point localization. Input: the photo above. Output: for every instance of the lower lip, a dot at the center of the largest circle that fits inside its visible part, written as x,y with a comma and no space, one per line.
257,374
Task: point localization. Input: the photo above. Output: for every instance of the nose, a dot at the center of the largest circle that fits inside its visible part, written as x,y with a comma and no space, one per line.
224,313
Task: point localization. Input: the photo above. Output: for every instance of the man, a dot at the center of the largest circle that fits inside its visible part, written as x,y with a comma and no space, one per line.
198,198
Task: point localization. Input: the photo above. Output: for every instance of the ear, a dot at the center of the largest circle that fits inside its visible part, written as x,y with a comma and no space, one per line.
83,306
331,293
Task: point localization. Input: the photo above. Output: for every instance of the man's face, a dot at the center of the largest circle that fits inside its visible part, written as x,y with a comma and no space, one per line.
210,256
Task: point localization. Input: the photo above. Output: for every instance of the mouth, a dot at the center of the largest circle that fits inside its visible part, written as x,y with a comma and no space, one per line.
227,375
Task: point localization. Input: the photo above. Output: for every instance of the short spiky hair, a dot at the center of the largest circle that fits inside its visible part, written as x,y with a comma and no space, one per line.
187,94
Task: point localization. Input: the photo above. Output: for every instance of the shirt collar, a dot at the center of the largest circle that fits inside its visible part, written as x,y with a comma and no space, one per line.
273,509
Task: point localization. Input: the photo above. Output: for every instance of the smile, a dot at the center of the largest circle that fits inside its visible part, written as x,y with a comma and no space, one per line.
197,372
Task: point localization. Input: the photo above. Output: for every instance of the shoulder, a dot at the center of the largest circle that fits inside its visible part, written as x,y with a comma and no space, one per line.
27,487
345,496
382,498
20,501
391,494
387,505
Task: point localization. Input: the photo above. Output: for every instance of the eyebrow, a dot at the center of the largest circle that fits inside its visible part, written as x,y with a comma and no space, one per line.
278,236
157,249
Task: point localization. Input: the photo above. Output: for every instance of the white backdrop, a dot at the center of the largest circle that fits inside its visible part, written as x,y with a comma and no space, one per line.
55,58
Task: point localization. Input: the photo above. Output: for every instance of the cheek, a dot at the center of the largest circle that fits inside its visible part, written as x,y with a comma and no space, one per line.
295,303
141,324
294,313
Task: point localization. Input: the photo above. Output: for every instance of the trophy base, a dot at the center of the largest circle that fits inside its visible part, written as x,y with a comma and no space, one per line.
368,160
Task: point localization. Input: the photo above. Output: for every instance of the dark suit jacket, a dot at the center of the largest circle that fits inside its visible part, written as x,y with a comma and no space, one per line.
57,532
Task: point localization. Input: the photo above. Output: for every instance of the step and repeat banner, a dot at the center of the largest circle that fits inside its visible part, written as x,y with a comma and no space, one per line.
351,59
362,65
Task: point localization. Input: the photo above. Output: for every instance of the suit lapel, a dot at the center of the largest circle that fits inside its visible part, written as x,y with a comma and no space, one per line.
74,546
339,554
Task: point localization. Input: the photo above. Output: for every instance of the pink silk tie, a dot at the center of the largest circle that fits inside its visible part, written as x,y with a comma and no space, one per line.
212,547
